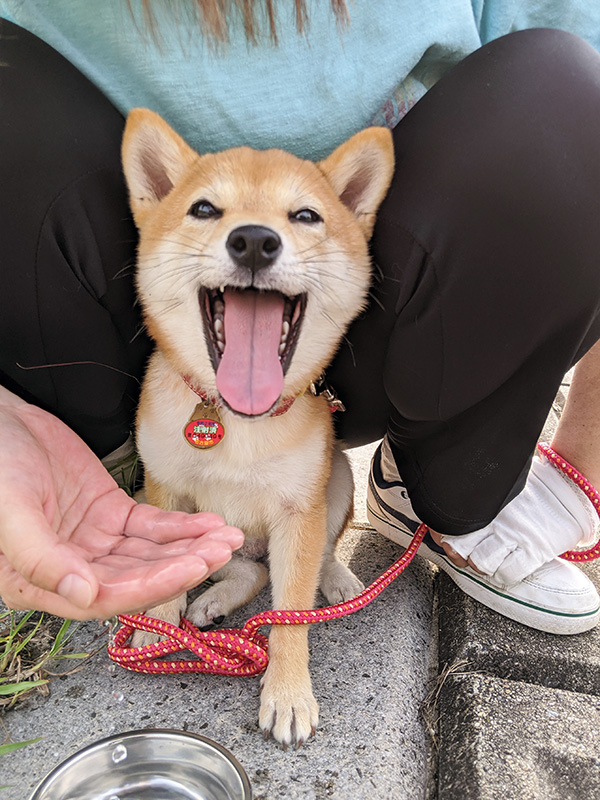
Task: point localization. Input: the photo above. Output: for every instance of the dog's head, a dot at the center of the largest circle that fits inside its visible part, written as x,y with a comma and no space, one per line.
251,264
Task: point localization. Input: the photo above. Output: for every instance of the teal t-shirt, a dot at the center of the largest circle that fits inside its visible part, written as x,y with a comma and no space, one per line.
307,94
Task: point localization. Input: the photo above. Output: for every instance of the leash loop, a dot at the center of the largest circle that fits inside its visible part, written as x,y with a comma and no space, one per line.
233,651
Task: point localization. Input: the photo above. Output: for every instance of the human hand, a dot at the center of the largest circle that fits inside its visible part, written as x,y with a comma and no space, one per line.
73,544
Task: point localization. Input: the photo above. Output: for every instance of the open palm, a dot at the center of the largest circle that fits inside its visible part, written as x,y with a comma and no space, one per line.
73,543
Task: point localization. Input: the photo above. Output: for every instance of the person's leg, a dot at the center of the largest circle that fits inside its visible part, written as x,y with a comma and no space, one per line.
508,294
488,244
489,231
68,246
577,436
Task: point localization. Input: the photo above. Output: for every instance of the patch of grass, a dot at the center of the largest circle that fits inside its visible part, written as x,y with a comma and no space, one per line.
30,642
11,746
429,707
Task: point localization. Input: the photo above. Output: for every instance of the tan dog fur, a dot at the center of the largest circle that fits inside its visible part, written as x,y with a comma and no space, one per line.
282,479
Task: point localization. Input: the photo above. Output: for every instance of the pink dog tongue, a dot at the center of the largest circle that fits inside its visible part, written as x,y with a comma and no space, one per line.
250,376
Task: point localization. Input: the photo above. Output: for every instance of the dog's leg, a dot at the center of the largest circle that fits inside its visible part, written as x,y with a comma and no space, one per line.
288,708
172,610
337,582
235,584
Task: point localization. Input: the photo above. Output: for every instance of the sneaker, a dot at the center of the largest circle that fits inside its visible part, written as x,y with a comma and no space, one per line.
556,598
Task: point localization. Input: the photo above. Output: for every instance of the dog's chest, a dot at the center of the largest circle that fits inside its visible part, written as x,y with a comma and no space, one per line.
242,462
255,473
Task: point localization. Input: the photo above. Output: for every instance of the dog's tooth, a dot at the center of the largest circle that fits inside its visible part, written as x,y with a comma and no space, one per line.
296,316
221,345
218,307
285,329
281,348
218,326
222,288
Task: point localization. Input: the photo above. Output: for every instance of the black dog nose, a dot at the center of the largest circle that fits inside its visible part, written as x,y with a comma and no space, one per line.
253,246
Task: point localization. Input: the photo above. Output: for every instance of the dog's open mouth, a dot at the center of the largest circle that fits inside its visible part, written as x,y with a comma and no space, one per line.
251,337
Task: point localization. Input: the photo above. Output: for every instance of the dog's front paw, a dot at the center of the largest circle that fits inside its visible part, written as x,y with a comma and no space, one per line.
169,612
289,713
210,608
338,583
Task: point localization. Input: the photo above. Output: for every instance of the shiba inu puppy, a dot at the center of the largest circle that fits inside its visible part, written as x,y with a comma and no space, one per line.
251,266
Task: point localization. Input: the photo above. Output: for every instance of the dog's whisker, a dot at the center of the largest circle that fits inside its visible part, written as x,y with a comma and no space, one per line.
167,310
325,238
177,276
325,268
334,323
344,279
170,271
347,343
125,271
182,262
185,245
375,299
141,329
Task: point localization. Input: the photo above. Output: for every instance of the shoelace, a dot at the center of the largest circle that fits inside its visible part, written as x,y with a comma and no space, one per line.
234,651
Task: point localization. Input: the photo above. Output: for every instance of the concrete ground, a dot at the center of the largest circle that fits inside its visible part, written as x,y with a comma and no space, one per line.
423,694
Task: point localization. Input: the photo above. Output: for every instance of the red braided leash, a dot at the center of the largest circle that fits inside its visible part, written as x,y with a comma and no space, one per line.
234,651
244,651
587,488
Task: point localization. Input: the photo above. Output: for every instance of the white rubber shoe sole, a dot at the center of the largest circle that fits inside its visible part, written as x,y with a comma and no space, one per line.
556,598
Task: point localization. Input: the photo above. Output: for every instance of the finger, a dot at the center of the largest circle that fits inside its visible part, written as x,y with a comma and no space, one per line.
146,586
454,557
33,551
143,575
466,542
212,547
17,593
162,526
473,567
125,586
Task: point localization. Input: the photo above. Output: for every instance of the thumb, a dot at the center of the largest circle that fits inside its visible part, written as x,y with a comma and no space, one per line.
35,552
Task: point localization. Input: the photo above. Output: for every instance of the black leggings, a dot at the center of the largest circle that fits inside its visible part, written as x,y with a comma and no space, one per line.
486,248
67,244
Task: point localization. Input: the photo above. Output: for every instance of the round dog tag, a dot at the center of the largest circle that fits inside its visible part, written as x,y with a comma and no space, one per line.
203,432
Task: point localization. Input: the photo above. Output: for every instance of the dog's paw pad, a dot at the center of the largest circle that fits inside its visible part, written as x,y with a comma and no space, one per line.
212,625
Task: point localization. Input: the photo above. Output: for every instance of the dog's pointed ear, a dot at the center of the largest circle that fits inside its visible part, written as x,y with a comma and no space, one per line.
154,159
360,171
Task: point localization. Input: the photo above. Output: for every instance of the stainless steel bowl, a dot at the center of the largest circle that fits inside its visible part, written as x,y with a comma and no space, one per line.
148,765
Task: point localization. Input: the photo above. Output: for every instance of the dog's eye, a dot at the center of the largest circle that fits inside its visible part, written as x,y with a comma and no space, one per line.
202,209
306,215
